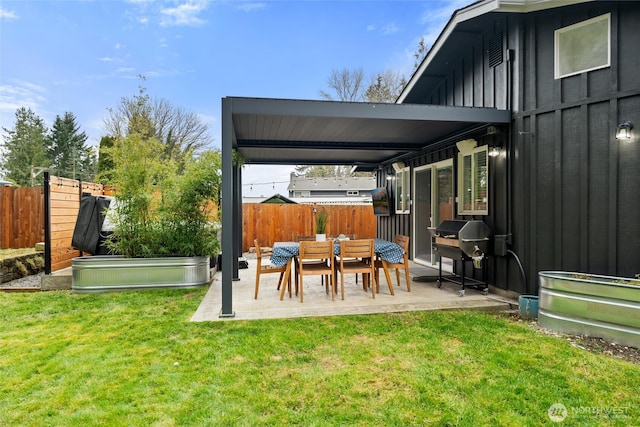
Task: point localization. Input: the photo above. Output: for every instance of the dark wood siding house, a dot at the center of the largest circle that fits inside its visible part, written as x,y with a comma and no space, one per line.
556,187
511,119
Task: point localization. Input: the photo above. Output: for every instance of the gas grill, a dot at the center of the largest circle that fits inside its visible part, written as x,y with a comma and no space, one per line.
463,241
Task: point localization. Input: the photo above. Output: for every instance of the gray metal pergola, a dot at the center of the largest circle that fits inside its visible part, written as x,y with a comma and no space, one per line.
294,132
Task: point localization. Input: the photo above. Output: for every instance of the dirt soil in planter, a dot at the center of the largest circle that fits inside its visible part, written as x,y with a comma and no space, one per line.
592,344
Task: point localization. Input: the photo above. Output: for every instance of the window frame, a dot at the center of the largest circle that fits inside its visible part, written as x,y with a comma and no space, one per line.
565,31
402,204
475,200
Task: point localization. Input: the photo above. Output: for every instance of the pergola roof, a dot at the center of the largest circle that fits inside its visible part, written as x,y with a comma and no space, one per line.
284,131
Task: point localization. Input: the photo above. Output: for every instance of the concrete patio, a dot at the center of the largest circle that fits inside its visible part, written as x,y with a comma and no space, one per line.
424,295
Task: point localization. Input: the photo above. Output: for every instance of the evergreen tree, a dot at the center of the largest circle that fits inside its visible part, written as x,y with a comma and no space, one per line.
105,162
24,147
67,150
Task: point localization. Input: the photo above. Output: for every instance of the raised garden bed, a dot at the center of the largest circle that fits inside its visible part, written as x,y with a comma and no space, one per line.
592,305
107,273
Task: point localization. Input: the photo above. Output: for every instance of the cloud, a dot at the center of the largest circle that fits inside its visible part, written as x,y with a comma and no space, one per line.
250,6
389,29
8,15
22,94
437,17
125,70
385,29
185,14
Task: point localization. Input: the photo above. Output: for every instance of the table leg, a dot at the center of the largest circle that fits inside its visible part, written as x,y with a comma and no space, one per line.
287,274
386,274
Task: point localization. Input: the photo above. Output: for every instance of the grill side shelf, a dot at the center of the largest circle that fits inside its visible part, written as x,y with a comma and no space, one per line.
447,242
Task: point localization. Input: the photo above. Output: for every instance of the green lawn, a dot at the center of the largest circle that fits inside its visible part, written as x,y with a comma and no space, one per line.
135,359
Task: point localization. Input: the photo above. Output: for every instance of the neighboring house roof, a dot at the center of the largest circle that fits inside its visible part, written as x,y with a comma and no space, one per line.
342,184
457,33
278,199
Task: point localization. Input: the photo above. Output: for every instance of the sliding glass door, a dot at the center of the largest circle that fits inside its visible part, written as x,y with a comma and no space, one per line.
433,203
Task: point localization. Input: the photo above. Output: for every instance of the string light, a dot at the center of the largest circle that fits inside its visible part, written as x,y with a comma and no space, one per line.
257,184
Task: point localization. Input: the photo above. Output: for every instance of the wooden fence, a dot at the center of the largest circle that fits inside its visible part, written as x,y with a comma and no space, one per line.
64,204
284,222
22,220
21,217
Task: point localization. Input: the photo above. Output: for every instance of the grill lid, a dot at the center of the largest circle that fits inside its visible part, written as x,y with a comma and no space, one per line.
463,230
450,228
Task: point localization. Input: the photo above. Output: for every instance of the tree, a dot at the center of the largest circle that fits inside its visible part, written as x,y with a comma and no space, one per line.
105,162
327,171
181,132
385,87
24,147
346,85
69,155
420,53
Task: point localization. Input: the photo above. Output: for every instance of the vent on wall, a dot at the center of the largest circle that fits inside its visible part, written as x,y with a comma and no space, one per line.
495,50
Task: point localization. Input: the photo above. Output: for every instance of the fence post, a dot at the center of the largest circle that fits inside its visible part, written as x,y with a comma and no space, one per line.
47,224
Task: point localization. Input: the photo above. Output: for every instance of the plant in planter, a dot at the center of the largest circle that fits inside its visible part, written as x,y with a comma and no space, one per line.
322,217
161,216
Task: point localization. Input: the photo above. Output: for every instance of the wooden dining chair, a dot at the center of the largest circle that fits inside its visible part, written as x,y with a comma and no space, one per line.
357,256
403,242
314,251
318,261
264,266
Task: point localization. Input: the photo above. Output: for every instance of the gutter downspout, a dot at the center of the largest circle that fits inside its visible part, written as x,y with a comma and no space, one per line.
509,180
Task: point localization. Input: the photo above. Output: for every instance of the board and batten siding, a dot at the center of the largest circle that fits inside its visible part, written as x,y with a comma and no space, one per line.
576,185
566,190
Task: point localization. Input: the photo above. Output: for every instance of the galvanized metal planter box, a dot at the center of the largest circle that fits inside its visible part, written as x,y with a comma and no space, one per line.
95,274
590,304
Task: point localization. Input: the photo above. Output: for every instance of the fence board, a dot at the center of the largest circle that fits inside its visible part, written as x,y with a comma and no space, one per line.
266,222
22,217
64,205
271,223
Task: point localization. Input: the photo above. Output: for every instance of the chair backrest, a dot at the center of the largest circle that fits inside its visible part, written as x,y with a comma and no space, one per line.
305,238
310,249
258,250
362,248
403,242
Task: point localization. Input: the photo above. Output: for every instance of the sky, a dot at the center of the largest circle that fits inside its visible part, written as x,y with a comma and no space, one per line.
84,56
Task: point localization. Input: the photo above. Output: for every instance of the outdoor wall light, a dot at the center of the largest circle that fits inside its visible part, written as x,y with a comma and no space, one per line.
494,151
624,130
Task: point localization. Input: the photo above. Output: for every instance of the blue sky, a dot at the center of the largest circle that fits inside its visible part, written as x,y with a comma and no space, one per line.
83,56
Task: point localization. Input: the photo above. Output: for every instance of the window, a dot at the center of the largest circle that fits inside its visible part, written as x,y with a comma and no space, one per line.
304,193
473,182
403,199
584,46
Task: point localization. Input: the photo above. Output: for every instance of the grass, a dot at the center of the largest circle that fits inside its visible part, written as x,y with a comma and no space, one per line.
12,253
135,359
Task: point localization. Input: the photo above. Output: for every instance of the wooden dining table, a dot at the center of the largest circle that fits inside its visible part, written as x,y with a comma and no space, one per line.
283,254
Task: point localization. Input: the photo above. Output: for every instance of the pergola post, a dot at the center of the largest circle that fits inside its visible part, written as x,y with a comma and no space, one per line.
228,210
